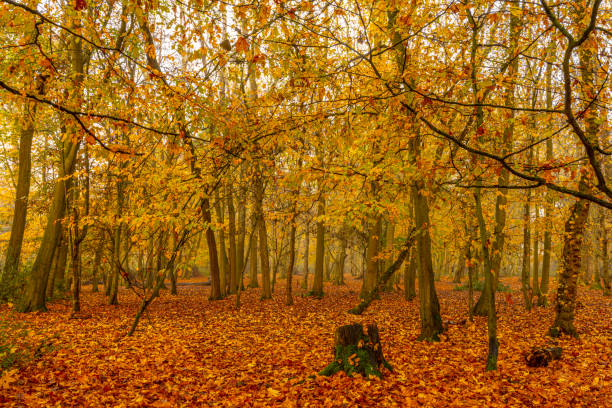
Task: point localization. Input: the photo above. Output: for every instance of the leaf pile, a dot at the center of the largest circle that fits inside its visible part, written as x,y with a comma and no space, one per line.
192,352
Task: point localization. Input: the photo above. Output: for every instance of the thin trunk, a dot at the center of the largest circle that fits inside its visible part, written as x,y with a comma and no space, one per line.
535,284
371,272
231,212
224,270
107,282
240,255
173,273
116,258
95,268
263,241
75,261
215,286
306,255
78,234
326,268
525,270
340,265
410,267
317,285
596,240
389,237
497,249
544,283
289,299
472,268
253,282
490,281
431,321
213,259
605,273
384,277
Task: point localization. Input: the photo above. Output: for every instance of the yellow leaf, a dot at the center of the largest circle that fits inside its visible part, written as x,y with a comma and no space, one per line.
8,377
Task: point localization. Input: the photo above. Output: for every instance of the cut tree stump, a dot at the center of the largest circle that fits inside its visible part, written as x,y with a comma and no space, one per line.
357,352
540,357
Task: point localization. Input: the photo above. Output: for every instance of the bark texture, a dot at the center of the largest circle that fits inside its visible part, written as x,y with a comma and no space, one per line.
356,352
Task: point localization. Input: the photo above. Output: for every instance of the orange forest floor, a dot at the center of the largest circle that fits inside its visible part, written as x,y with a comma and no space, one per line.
192,352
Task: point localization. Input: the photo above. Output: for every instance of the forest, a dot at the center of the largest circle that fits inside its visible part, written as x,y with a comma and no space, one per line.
305,203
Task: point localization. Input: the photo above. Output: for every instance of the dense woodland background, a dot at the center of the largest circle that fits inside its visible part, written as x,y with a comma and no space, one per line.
214,187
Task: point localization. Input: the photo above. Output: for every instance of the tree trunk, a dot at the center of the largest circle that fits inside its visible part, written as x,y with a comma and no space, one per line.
605,273
317,285
570,269
389,237
231,212
535,284
567,277
596,247
525,288
326,268
215,283
95,268
306,255
382,280
431,321
371,272
173,278
490,282
224,270
213,258
75,261
34,296
240,255
341,263
253,283
76,277
53,283
107,281
543,292
504,176
289,299
263,241
410,268
356,352
472,270
116,266
459,269
13,250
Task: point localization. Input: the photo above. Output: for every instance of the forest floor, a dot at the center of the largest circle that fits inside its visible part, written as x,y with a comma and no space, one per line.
192,352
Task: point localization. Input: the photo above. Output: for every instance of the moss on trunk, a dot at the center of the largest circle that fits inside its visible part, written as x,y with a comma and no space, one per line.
357,352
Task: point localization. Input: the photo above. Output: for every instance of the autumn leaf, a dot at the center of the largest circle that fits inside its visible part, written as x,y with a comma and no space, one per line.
242,45
7,378
80,5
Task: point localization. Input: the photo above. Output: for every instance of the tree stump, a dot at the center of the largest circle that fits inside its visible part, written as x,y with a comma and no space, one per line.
540,357
357,352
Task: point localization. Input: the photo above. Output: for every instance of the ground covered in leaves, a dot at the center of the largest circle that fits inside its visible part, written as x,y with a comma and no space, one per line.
192,352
